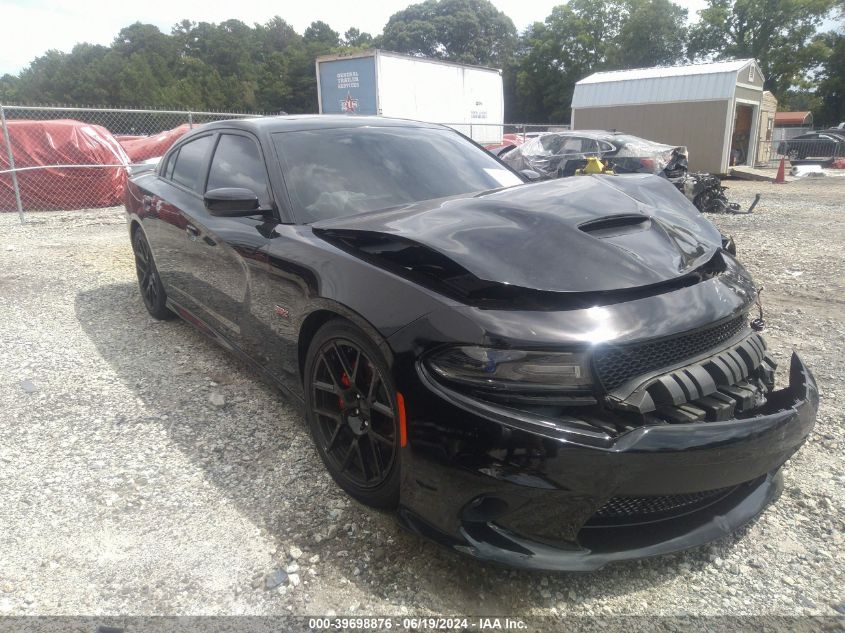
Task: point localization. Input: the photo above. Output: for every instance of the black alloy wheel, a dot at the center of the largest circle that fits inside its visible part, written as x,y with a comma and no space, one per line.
149,283
351,408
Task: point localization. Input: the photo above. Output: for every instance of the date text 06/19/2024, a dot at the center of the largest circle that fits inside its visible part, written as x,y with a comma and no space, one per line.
417,624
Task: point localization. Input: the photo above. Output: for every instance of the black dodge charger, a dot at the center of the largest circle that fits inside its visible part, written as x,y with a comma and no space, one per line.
552,375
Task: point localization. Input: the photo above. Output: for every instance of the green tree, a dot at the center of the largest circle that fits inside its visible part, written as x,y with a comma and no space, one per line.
466,31
353,38
139,77
8,88
141,64
779,34
276,36
43,80
586,36
84,80
201,87
831,90
279,46
321,33
652,33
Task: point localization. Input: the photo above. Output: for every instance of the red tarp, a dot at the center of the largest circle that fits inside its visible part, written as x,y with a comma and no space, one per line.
62,142
507,139
145,147
122,138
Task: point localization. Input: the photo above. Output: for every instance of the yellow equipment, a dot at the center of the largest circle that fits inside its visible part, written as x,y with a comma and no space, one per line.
595,165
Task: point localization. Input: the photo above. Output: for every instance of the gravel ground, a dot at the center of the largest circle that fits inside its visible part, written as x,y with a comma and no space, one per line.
144,471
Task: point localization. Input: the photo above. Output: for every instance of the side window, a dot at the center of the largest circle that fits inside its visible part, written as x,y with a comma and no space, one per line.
168,168
572,145
552,143
238,163
589,146
605,148
189,163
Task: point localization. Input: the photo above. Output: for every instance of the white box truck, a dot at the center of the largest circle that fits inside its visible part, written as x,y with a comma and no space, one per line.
468,98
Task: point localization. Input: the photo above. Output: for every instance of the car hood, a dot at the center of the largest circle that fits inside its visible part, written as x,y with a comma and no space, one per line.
582,234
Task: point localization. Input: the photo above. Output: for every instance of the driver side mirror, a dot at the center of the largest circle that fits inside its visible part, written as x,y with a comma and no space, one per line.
231,202
530,174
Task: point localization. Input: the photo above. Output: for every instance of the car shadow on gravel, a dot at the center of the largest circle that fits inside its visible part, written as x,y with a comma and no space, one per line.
256,450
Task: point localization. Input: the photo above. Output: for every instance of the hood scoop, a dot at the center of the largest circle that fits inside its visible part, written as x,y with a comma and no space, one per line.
555,236
433,270
615,225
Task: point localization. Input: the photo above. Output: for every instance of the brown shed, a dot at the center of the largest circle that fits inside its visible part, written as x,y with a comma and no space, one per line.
713,109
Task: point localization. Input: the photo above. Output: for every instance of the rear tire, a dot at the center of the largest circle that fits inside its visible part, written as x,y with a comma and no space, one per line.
350,404
149,282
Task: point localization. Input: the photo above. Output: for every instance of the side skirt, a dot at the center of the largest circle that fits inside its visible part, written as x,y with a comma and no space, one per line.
217,337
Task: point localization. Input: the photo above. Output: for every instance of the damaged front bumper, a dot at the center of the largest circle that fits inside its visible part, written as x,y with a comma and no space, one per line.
533,501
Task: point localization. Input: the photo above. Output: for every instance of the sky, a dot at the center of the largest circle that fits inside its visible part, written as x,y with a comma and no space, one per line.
35,26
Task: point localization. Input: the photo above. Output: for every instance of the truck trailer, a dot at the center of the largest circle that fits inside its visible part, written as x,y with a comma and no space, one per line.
467,98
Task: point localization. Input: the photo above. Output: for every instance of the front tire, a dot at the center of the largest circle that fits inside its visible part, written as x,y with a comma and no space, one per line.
149,282
351,409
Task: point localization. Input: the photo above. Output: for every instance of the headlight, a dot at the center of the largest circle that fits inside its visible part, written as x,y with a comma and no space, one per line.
513,370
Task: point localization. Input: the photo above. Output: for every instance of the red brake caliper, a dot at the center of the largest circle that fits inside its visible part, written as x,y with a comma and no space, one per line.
344,380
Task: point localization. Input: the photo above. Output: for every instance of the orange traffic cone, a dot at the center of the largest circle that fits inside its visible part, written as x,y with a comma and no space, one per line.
781,177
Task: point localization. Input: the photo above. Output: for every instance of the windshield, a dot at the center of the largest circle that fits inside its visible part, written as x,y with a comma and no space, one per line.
345,171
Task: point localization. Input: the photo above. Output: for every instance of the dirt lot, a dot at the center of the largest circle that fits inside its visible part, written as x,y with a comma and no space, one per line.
127,490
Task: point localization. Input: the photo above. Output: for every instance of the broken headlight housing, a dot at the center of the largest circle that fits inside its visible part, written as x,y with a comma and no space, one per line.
512,370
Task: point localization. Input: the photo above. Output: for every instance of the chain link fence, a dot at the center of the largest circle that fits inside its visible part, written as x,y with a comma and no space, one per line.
64,158
495,133
76,158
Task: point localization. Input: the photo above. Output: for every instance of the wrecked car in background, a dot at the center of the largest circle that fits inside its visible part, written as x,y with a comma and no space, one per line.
509,141
549,375
562,154
827,144
559,154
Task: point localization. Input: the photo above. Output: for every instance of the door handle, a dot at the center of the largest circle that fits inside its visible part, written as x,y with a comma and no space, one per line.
192,231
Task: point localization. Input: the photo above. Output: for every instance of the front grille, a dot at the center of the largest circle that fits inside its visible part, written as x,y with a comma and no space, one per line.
616,365
627,510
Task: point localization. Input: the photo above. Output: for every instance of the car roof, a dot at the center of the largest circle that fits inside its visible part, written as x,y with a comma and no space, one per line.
817,133
289,123
607,133
600,135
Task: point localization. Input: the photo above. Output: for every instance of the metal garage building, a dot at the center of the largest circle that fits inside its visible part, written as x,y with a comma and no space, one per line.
713,109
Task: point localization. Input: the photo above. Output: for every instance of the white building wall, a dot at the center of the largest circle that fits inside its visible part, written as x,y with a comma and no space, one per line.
437,92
